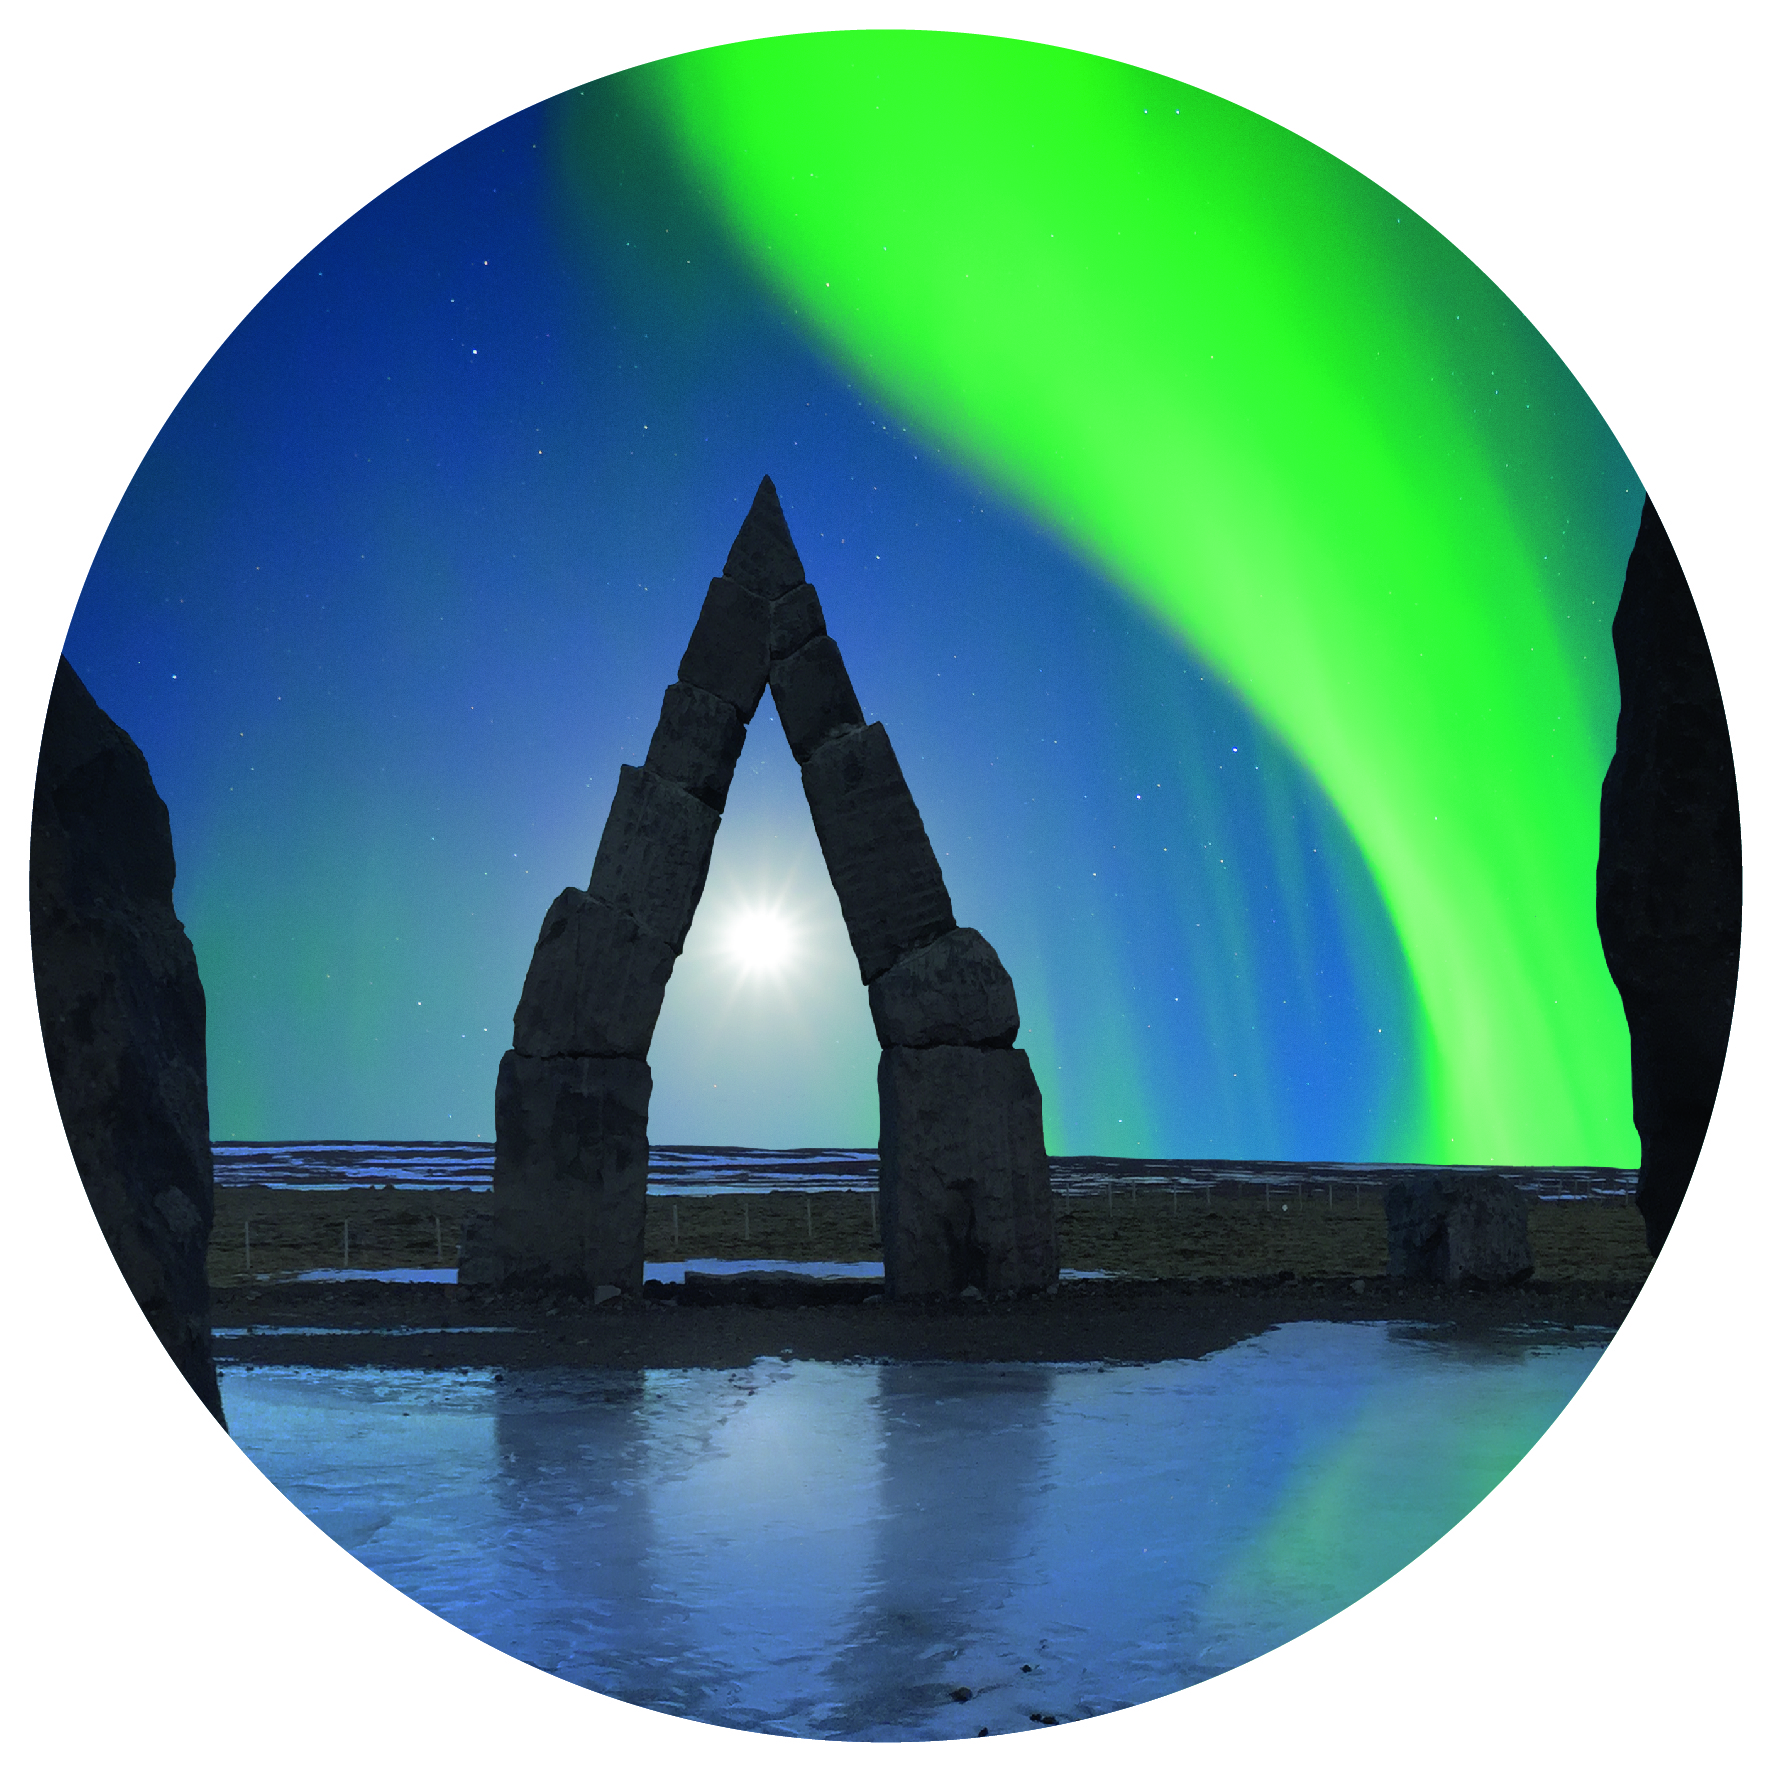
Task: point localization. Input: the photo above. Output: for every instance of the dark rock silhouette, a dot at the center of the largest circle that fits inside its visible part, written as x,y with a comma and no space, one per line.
123,1014
1669,878
1452,1228
966,1196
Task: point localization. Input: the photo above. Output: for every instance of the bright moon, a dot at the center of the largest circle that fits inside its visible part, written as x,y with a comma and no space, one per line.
761,942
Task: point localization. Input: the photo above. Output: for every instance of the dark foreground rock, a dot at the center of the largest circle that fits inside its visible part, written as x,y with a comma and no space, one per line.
123,1015
1450,1229
1669,878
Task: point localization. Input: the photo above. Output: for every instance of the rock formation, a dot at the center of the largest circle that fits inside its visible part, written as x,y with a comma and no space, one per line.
1454,1228
965,1192
123,1017
1669,878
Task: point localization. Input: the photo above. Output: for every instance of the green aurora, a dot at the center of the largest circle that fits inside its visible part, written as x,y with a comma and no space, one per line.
1289,420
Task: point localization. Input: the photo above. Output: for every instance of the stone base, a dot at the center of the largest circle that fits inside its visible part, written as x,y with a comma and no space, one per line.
569,1174
965,1191
1452,1228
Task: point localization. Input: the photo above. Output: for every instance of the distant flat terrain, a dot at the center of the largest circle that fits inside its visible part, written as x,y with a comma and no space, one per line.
1191,1257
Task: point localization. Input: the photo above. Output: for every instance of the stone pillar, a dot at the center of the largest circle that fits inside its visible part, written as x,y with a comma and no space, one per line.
965,1189
123,1014
1669,876
569,1170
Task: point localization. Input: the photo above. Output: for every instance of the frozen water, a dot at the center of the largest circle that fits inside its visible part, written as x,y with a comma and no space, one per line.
667,1272
711,1170
442,1276
672,1273
834,1550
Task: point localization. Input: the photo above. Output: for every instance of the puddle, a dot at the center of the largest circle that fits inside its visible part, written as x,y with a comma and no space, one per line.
834,1550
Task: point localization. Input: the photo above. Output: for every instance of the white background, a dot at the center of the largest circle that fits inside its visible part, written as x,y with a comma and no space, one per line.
165,164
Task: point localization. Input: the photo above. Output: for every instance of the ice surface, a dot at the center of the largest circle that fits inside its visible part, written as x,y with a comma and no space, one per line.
832,1551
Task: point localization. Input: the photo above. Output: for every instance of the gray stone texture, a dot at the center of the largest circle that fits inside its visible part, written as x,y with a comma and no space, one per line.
1668,884
696,743
794,618
595,985
813,696
763,556
965,1189
1454,1228
954,992
653,859
123,1014
728,651
569,1174
880,860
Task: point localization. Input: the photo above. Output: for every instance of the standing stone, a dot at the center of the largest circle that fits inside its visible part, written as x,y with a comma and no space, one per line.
569,1170
965,1188
1669,876
569,1173
1451,1228
887,879
123,1016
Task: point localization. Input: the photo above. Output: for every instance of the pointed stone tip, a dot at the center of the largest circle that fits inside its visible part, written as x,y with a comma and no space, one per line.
763,557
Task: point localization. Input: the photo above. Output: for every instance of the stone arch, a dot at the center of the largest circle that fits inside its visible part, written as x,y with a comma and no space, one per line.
965,1192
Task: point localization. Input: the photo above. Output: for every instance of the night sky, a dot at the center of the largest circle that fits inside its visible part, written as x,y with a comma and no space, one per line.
1232,569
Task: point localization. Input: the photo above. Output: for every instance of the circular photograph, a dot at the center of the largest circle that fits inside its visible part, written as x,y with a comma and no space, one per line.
885,886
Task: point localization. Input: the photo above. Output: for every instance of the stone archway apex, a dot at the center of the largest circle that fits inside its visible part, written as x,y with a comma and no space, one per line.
965,1191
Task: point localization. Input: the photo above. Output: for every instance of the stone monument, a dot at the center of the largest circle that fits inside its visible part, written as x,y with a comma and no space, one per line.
965,1193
